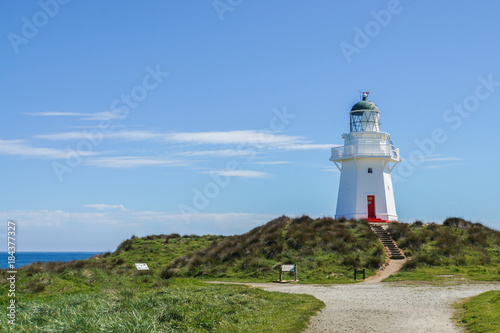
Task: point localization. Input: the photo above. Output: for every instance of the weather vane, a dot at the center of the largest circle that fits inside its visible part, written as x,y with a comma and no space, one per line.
364,94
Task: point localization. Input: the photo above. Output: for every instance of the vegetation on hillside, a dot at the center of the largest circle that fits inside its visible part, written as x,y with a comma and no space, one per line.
456,247
481,313
323,249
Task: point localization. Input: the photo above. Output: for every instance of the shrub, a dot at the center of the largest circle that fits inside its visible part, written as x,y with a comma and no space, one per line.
33,268
338,246
37,284
417,224
351,261
167,273
125,245
427,259
398,230
457,222
374,262
409,265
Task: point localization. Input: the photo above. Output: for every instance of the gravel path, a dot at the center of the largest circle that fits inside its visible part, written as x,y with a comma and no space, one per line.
384,307
372,306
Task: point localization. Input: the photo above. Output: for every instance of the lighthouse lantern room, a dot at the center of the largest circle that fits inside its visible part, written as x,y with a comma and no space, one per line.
365,162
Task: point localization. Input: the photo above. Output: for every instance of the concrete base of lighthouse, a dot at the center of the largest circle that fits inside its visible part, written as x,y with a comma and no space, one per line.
365,190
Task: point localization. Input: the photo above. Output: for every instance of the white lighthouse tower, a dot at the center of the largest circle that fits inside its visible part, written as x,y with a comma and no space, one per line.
365,162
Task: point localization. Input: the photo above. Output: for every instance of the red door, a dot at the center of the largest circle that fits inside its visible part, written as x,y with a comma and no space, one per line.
371,206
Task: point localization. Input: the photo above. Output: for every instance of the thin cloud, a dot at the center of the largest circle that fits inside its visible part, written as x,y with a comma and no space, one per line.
22,148
249,140
441,166
104,115
272,162
309,146
440,158
334,170
240,173
106,207
132,162
250,137
218,153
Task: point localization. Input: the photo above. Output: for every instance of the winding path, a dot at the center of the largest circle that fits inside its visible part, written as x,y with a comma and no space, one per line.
372,306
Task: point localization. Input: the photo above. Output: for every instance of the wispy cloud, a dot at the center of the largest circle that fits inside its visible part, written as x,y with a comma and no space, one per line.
272,162
104,115
246,139
249,137
218,153
23,148
309,146
106,207
440,161
133,162
240,173
440,166
332,169
440,158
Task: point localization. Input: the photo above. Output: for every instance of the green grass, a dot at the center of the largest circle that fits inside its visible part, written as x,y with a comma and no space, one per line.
448,274
481,313
143,303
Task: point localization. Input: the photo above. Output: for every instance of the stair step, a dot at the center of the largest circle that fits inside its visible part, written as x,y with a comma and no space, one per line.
385,238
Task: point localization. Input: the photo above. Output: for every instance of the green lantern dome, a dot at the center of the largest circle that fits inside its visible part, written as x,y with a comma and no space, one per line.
365,105
365,116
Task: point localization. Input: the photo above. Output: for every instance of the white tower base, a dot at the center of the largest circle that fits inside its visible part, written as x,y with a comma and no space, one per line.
364,195
365,189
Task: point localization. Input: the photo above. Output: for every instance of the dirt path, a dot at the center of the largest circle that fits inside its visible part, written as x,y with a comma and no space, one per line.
393,267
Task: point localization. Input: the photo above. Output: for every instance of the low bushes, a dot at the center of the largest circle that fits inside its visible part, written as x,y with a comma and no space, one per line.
456,242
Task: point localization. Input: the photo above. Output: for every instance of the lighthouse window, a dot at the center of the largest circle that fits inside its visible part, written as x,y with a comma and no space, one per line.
370,170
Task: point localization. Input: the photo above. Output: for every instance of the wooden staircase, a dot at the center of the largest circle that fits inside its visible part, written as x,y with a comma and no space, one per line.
395,252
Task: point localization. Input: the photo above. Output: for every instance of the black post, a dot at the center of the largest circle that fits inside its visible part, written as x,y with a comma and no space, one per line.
356,271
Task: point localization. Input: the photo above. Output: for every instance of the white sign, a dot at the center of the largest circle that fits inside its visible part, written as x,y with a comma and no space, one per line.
287,268
142,267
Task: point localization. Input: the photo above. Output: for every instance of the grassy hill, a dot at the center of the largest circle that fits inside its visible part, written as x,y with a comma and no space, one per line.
455,249
107,292
325,250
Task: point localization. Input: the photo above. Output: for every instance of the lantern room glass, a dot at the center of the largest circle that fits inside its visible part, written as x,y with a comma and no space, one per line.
365,121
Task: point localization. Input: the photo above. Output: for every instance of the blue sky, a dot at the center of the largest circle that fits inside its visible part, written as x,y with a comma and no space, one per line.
199,117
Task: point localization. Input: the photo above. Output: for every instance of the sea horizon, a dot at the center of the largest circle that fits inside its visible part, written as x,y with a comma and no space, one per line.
24,258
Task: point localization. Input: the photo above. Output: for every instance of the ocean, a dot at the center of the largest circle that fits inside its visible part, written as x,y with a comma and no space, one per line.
26,258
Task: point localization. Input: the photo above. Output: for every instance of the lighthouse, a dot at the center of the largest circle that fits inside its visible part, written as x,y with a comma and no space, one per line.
366,161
